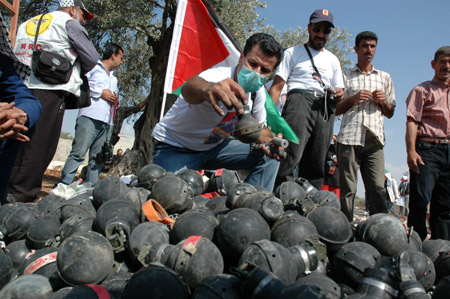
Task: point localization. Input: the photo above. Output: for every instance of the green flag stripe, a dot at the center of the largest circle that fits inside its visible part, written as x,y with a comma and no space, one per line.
178,90
277,123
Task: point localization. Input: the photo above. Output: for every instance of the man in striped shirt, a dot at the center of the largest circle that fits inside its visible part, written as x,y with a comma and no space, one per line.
427,146
369,95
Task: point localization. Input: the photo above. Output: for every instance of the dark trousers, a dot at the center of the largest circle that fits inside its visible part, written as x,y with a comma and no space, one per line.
304,112
431,185
370,160
31,163
8,152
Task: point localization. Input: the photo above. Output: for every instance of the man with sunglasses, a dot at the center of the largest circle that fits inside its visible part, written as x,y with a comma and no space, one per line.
369,95
314,79
60,32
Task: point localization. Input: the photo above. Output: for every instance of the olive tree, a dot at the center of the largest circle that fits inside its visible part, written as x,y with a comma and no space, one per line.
144,29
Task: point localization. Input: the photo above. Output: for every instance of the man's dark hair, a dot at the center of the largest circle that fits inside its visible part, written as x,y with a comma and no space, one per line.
442,51
111,49
267,43
365,35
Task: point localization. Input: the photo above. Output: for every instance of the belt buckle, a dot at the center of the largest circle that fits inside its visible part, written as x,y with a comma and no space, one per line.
315,94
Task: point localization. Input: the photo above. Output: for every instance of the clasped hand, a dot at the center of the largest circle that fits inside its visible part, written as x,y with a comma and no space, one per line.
12,122
378,96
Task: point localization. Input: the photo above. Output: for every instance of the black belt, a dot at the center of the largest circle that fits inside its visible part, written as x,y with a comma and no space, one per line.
437,140
311,93
157,141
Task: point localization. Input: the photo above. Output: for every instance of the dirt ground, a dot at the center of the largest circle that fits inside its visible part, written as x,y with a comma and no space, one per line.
51,177
53,172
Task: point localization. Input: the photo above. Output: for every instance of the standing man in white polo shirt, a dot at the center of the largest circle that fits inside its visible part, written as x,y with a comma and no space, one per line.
93,122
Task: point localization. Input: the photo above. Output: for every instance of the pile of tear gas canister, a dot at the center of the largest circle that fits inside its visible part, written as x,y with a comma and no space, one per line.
188,235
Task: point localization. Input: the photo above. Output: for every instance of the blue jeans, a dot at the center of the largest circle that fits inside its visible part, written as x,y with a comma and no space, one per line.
90,134
230,154
431,185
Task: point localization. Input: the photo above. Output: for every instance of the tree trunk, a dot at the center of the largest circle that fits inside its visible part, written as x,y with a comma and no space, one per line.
145,124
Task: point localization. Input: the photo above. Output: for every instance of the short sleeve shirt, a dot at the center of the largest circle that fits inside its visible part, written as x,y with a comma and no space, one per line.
297,70
365,115
429,105
198,127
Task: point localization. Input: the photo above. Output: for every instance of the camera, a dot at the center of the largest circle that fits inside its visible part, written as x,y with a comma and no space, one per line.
106,155
329,92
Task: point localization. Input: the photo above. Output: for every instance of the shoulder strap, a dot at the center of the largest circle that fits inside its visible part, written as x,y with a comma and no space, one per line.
37,31
312,62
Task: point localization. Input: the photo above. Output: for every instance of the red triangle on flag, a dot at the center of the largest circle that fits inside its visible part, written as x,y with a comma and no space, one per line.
200,45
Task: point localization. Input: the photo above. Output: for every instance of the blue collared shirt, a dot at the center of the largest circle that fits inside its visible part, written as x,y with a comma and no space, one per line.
100,109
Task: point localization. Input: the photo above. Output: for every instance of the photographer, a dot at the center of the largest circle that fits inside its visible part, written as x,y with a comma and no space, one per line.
314,79
93,122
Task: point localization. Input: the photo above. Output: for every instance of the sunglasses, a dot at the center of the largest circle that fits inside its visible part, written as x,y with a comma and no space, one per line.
318,29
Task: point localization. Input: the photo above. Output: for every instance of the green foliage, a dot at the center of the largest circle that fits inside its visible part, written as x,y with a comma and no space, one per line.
31,8
66,135
339,42
137,26
240,16
140,25
144,29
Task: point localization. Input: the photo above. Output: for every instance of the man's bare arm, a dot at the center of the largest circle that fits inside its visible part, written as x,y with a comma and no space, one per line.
276,89
197,90
347,103
379,96
413,158
142,104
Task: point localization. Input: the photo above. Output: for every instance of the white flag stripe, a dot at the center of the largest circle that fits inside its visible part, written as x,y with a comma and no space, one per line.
233,58
173,54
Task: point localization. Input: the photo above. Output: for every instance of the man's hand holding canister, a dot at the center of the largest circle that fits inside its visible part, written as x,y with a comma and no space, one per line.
228,91
272,146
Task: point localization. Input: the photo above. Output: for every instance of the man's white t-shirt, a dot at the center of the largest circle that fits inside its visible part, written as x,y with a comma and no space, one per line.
198,127
297,70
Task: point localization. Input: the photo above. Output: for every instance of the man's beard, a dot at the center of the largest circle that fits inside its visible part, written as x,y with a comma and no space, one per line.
315,45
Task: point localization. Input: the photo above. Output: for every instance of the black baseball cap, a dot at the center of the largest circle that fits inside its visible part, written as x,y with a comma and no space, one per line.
321,15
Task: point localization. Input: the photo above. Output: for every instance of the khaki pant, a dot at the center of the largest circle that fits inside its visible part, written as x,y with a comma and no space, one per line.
370,160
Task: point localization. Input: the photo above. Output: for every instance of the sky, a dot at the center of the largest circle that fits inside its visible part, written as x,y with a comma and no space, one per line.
409,33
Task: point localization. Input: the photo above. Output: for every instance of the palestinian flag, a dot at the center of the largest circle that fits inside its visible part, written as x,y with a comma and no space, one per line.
202,40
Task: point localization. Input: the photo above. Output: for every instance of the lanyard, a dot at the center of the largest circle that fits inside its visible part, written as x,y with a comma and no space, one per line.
325,109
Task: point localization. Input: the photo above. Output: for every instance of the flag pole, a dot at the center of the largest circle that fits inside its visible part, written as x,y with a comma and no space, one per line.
163,105
173,52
